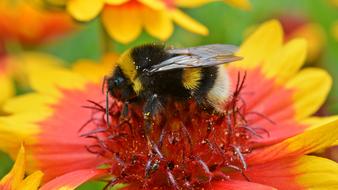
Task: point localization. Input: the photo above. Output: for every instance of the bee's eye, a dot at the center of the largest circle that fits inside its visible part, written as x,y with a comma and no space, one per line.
118,81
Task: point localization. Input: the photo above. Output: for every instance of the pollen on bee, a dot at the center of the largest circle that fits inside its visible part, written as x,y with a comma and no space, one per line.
191,147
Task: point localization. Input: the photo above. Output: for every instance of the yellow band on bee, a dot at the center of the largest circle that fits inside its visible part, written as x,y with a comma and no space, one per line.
127,65
191,78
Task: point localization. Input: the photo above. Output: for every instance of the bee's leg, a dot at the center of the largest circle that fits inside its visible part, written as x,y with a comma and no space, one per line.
125,108
150,109
125,111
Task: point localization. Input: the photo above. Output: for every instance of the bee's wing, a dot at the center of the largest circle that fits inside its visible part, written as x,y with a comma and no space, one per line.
201,56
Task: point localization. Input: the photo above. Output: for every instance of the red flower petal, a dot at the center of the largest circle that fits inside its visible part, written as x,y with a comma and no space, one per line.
294,173
237,185
59,148
72,180
275,173
269,106
321,136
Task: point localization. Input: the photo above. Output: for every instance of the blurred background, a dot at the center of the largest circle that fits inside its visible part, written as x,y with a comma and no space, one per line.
315,20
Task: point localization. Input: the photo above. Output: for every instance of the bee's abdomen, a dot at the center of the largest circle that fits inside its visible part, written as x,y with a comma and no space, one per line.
219,92
206,83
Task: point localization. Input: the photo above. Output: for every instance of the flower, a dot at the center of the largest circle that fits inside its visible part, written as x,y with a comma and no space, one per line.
296,26
6,84
14,180
243,4
261,142
22,22
13,70
124,19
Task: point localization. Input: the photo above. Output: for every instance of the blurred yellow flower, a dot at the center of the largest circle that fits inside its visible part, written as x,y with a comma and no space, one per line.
296,26
6,84
124,19
243,4
22,22
14,180
335,30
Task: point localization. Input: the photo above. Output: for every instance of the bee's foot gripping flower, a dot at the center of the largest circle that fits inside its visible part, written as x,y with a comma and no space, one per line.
190,147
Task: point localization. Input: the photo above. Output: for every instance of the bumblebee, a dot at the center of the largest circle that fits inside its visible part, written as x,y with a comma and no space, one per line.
155,75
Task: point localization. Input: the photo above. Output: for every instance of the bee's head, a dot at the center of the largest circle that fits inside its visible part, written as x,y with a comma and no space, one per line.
119,86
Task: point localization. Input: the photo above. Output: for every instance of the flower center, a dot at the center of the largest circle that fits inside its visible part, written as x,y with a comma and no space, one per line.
190,147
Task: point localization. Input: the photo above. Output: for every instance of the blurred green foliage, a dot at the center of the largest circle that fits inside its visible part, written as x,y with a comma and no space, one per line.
6,164
226,25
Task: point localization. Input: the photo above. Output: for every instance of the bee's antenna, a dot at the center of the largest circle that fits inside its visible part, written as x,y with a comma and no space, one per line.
107,108
103,83
107,99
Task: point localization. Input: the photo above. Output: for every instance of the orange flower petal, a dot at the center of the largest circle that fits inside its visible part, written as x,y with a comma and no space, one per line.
317,173
20,125
313,139
42,70
6,86
32,181
286,62
115,2
59,147
71,180
308,101
15,176
192,4
237,185
14,179
21,21
294,173
242,4
154,4
263,111
261,45
85,10
314,34
157,23
122,23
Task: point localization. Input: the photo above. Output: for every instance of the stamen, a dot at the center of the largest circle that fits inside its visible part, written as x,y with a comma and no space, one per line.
95,131
85,124
252,131
204,167
172,179
240,156
240,170
262,116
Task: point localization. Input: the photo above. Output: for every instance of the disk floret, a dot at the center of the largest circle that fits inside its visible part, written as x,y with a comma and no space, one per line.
190,146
